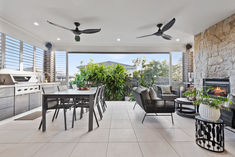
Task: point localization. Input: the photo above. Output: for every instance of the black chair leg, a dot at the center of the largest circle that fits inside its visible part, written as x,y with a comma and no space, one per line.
144,117
81,113
105,104
134,106
96,119
40,125
53,118
172,119
74,116
99,111
57,113
65,121
103,107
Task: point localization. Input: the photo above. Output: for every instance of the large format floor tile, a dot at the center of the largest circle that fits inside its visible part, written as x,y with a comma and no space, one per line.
175,135
22,150
149,135
14,136
186,149
90,150
121,134
121,124
161,149
55,150
124,150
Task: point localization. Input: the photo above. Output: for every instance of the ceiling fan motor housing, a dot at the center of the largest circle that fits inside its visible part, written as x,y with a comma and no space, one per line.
77,38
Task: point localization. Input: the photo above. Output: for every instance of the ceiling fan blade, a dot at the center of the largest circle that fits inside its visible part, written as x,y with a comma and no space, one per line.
58,25
90,31
168,25
167,37
145,36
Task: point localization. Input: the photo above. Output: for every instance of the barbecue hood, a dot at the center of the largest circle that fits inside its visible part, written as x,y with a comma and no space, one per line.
11,77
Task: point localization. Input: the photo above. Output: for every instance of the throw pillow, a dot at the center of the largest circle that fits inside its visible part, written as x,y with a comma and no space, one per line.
145,95
152,94
166,89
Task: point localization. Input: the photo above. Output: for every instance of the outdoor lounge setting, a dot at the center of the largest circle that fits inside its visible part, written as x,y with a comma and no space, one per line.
117,78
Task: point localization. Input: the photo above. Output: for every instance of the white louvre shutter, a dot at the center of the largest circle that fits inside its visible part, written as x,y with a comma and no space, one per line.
60,64
39,59
12,53
28,56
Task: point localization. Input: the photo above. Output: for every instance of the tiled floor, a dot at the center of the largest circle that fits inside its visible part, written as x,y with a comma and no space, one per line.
121,134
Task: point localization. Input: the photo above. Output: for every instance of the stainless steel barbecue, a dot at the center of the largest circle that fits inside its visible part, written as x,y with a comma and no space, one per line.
25,82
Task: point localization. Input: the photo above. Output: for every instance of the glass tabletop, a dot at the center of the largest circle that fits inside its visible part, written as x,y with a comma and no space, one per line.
219,121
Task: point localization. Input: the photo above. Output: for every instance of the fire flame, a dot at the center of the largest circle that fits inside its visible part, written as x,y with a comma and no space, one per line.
218,91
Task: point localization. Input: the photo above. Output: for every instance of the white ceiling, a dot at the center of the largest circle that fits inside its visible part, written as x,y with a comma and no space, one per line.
124,19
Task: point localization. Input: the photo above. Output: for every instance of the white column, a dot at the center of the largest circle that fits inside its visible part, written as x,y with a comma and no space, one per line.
21,56
170,68
3,39
67,68
34,59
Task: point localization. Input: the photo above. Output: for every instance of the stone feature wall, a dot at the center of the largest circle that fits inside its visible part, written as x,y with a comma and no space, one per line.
214,53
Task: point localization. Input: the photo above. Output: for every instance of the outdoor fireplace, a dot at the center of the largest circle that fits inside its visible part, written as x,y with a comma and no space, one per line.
221,86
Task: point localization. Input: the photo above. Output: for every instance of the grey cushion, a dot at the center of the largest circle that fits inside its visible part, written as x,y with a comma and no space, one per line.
139,89
169,97
145,95
158,90
153,94
166,89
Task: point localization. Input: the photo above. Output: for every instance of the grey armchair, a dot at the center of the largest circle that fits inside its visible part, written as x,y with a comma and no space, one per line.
153,107
165,96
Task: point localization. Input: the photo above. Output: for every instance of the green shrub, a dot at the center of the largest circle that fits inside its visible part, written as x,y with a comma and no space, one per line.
113,76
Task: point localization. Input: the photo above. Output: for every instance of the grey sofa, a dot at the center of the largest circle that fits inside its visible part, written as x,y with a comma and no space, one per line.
153,107
167,97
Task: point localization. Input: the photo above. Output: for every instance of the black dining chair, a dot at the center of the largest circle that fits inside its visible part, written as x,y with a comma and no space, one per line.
56,113
57,104
85,104
102,98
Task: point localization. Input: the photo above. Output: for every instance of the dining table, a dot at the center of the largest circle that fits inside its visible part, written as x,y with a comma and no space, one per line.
71,94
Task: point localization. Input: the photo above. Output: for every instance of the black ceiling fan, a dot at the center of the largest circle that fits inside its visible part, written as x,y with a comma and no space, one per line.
76,31
160,31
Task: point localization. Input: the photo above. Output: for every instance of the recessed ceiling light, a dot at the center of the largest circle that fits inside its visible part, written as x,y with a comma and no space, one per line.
36,23
177,39
58,38
118,39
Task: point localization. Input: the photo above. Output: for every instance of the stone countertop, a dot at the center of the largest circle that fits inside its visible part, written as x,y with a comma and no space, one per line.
6,86
50,83
42,84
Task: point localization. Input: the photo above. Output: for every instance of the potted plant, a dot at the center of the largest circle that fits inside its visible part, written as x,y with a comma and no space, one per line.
191,94
209,106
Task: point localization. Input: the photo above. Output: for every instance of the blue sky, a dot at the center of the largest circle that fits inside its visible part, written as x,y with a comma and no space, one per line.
75,59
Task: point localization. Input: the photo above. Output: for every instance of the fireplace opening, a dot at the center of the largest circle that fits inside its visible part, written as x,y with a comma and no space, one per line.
220,86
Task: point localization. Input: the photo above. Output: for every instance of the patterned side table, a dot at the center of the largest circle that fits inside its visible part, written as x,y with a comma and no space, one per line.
210,135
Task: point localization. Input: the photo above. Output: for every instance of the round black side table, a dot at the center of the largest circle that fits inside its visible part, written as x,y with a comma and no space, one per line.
184,109
210,135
